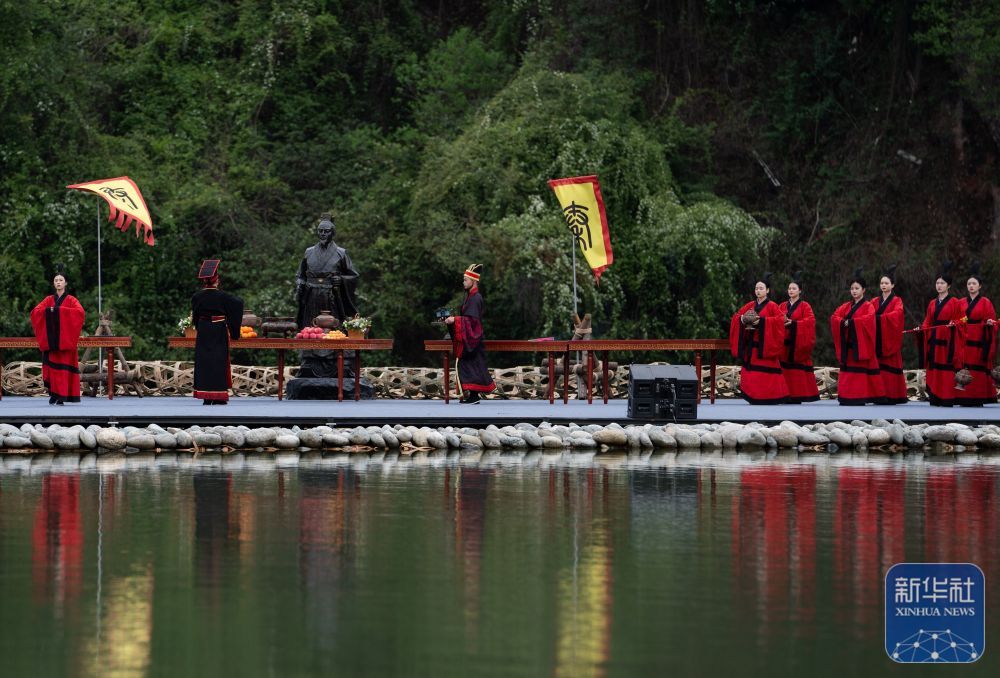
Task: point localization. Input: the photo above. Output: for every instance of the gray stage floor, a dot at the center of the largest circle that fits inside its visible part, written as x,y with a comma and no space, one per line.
270,411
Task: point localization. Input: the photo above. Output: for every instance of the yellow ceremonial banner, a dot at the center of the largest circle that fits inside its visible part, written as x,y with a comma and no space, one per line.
126,203
583,208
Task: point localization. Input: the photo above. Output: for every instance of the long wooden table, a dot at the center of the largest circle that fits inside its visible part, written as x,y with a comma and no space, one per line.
107,343
444,346
282,345
590,347
605,346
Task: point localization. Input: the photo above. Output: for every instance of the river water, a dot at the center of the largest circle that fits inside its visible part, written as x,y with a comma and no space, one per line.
458,565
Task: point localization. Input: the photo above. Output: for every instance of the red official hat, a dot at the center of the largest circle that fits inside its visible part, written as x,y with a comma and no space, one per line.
474,271
209,269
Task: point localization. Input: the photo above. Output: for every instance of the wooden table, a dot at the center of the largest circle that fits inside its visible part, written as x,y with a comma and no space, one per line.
444,346
633,345
107,343
282,345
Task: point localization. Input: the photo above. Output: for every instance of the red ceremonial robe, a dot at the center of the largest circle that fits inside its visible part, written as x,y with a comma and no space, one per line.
470,346
859,382
759,350
942,349
889,347
980,351
57,323
796,359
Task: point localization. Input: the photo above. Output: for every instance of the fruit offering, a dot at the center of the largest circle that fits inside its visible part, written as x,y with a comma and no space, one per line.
247,332
319,333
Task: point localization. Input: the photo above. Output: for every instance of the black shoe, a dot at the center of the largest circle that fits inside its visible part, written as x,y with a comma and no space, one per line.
206,402
52,400
60,401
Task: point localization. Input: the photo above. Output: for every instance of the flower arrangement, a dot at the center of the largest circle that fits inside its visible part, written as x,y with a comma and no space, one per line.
358,323
184,323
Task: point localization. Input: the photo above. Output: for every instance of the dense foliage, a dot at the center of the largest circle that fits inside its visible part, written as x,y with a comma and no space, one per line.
729,136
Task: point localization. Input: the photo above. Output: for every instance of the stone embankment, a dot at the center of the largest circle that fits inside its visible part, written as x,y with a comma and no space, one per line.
857,435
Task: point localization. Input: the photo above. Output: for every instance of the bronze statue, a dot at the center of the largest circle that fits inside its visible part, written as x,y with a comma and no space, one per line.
326,278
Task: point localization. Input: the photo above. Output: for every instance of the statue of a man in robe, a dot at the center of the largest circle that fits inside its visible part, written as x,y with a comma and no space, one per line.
326,278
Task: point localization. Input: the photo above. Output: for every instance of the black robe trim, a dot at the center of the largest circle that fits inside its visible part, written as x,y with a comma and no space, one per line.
791,336
883,304
849,337
762,401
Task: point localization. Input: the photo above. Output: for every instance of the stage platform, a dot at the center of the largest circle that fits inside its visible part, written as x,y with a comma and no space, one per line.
263,411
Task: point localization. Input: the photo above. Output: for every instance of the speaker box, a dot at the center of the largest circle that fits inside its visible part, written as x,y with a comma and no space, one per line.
663,392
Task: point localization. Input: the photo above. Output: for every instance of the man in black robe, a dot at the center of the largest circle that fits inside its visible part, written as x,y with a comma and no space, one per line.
470,345
217,316
326,278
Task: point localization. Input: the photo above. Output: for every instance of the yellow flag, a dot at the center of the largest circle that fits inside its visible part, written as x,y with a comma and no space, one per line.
583,208
126,203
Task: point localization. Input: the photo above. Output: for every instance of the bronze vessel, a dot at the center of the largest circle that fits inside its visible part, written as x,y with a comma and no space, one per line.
278,327
326,320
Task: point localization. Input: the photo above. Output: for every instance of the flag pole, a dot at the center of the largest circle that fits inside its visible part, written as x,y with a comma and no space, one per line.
573,247
98,260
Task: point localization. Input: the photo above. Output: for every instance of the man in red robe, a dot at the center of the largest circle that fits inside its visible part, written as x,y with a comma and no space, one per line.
758,340
853,327
57,322
470,346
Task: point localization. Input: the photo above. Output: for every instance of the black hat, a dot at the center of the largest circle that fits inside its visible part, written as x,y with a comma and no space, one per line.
209,269
857,278
945,272
974,272
766,279
890,273
797,278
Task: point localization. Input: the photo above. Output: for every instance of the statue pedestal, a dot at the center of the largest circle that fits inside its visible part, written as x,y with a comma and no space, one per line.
325,388
317,378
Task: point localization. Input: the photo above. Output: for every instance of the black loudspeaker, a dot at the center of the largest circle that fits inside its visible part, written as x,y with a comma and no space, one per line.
663,392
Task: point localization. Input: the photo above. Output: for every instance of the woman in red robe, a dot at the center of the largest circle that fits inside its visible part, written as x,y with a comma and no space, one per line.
942,343
853,327
800,339
889,339
57,322
758,340
980,344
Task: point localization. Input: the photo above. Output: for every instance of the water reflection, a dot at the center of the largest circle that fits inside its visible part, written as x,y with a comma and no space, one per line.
471,489
774,546
125,645
585,586
564,565
869,538
212,532
328,512
57,542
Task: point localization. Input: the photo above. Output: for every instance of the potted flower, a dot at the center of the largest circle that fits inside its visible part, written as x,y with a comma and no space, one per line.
185,326
357,327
